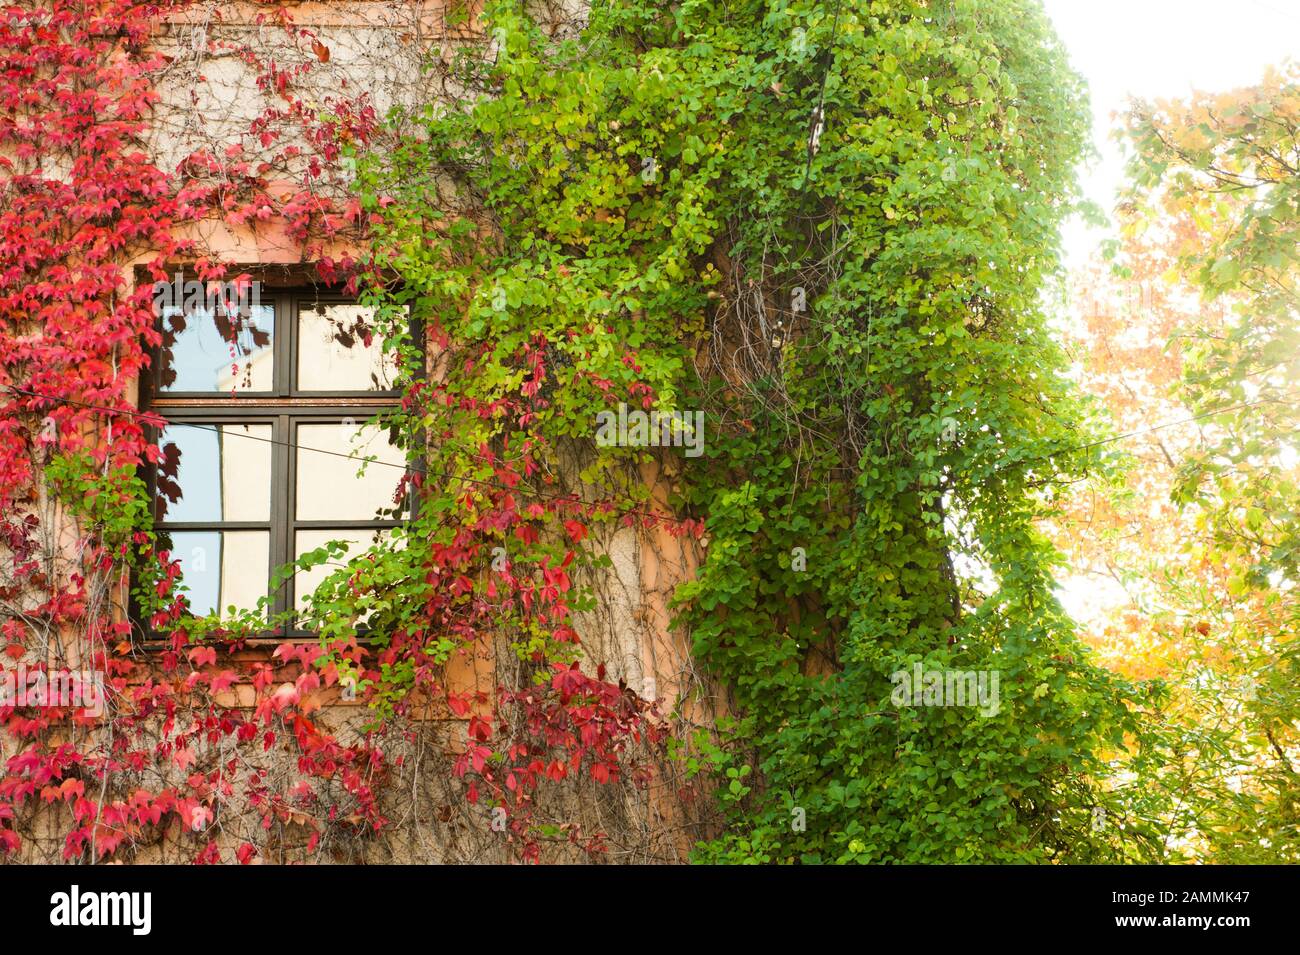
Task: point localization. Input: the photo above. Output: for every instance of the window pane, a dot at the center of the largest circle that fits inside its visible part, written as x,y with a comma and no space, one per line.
328,486
338,350
308,540
223,568
219,472
206,350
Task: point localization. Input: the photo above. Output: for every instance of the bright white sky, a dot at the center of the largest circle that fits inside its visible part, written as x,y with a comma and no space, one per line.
1156,48
1150,48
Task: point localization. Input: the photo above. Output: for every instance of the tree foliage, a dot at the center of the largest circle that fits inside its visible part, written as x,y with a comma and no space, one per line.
1216,187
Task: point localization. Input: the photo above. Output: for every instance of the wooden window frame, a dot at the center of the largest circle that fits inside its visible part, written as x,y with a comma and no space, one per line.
285,408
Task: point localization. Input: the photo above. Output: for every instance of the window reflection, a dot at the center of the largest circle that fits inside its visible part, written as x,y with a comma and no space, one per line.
305,541
219,472
339,350
220,569
208,351
329,456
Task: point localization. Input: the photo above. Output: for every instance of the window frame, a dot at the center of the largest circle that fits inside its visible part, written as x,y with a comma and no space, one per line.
284,408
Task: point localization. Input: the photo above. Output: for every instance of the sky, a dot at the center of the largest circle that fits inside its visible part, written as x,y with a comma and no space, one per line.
1162,48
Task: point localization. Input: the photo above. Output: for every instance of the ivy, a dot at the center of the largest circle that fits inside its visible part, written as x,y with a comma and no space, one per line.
826,227
830,228
81,194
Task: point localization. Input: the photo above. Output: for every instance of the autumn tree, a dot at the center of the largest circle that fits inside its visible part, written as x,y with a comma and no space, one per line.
1189,341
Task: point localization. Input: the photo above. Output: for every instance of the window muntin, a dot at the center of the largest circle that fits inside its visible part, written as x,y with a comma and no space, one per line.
286,346
251,479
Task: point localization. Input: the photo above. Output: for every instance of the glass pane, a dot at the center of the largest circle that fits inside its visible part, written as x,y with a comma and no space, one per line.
219,472
207,350
339,350
329,456
223,568
306,581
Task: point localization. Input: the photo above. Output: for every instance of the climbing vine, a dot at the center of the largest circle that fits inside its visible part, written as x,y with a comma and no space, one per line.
825,228
828,227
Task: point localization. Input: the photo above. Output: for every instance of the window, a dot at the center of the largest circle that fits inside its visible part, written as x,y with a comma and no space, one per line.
267,429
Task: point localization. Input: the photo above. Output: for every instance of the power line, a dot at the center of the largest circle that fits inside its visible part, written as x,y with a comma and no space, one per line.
338,454
1292,397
